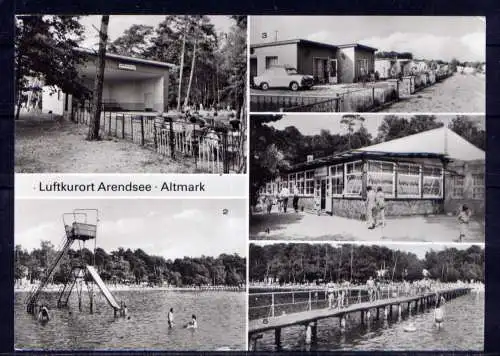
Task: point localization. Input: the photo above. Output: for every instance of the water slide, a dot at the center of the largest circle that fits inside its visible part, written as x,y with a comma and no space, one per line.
107,294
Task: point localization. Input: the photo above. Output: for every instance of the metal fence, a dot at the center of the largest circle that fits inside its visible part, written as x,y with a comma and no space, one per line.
270,304
212,148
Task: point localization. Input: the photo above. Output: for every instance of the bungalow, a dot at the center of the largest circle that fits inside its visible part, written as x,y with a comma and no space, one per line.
417,179
130,84
329,64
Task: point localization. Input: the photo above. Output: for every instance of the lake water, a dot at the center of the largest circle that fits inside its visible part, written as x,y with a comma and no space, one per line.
220,315
463,329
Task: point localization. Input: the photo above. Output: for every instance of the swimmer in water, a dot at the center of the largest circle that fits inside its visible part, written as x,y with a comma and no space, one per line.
170,318
43,314
439,312
193,324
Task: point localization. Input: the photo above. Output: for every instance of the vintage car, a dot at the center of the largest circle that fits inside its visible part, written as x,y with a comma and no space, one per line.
283,77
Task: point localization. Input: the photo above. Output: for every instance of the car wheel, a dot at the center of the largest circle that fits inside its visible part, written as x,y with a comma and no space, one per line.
294,86
264,86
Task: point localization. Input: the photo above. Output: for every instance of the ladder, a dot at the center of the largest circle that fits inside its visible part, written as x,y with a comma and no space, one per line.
66,289
33,297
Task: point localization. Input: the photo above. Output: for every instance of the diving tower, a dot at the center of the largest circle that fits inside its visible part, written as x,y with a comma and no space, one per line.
80,226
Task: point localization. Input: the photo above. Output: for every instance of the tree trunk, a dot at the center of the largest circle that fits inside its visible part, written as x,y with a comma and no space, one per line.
101,63
179,90
186,99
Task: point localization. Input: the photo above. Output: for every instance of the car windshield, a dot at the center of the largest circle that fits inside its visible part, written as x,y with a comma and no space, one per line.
291,71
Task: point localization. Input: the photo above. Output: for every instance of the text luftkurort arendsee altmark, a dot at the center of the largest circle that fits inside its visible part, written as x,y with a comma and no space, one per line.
127,187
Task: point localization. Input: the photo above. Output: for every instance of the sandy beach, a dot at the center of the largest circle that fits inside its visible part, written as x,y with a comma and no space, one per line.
53,145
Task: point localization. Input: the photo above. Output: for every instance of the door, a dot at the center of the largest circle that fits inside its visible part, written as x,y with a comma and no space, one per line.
320,70
253,69
323,194
332,73
329,202
148,101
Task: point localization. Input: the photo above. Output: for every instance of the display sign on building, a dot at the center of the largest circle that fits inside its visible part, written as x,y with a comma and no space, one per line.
126,66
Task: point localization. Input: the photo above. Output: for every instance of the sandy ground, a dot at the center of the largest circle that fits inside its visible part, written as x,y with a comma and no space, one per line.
45,145
305,226
458,93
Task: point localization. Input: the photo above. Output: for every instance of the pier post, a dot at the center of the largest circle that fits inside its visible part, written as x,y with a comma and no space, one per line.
362,316
308,334
378,313
277,338
399,311
386,313
310,306
368,315
314,332
272,304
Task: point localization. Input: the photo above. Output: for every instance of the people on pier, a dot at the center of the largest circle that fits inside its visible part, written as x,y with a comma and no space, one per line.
170,318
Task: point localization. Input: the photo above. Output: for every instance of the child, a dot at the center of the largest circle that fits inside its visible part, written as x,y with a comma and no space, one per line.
171,318
193,324
380,204
463,221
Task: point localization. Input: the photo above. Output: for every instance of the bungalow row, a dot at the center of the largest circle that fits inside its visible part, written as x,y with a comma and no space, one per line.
130,84
328,64
394,68
417,179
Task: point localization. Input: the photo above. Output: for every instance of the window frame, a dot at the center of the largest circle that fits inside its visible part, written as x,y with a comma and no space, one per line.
393,193
346,175
420,172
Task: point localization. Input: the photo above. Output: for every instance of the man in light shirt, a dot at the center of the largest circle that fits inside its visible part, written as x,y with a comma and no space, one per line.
370,206
285,193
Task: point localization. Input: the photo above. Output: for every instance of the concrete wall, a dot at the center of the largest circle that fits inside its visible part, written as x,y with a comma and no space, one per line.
287,54
452,204
346,65
383,67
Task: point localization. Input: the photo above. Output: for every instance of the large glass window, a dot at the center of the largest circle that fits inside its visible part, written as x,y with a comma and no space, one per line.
300,183
292,180
381,174
408,180
309,190
478,186
353,178
337,179
433,182
457,191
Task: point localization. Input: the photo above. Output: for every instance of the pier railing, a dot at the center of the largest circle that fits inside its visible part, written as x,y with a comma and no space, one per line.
271,304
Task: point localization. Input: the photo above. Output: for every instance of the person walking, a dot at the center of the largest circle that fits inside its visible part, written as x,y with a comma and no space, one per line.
296,199
284,196
370,207
463,222
380,206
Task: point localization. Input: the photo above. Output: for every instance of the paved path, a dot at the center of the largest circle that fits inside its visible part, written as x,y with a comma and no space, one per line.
305,226
460,93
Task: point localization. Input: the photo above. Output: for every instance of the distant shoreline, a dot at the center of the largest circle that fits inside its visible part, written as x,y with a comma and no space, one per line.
118,288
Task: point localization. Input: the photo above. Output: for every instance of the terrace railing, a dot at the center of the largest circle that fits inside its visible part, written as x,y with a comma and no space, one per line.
212,148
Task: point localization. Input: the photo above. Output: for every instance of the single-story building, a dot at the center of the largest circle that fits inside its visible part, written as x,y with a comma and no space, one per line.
329,64
130,84
432,172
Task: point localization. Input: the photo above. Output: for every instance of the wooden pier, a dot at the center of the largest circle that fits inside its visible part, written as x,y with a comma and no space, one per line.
383,307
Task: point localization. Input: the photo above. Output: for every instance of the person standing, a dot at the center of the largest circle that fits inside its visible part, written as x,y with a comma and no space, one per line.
380,206
463,221
370,207
284,196
170,318
296,199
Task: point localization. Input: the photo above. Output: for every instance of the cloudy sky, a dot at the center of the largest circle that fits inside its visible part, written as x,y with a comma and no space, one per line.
312,124
170,228
419,249
427,37
119,23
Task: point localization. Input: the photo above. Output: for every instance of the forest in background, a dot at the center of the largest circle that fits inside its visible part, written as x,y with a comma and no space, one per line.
132,267
272,150
309,263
